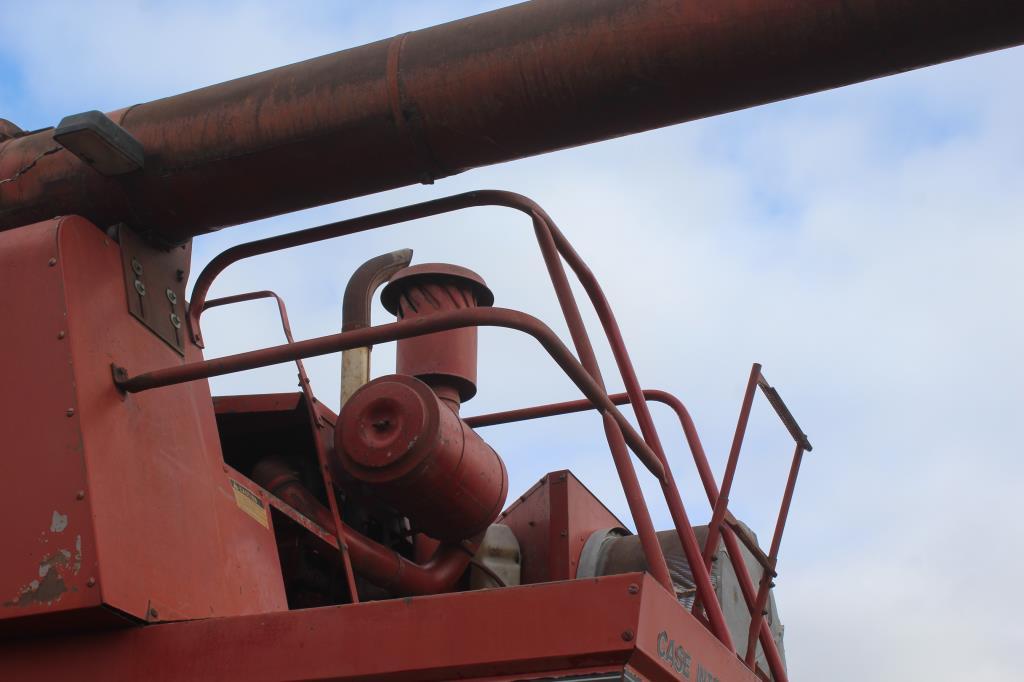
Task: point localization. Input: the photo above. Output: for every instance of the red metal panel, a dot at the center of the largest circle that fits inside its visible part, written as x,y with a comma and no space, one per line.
134,508
525,632
552,521
540,631
670,641
169,532
586,515
49,557
529,517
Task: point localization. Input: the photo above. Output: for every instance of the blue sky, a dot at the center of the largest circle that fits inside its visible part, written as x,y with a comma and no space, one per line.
863,244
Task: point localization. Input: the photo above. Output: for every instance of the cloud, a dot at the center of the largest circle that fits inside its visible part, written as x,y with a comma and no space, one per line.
864,244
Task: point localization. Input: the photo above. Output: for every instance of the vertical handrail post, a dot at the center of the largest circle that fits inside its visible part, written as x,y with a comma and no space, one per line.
773,555
722,503
315,419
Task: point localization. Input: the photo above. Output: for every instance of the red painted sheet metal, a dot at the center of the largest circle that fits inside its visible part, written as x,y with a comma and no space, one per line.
554,518
507,84
143,517
576,626
669,641
49,560
171,536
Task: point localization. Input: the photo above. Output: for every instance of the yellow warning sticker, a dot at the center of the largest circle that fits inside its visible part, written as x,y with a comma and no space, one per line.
250,503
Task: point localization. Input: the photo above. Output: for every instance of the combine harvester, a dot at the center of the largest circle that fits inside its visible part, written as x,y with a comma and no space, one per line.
153,532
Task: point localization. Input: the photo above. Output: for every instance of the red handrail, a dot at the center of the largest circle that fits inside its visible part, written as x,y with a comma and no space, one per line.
554,246
314,417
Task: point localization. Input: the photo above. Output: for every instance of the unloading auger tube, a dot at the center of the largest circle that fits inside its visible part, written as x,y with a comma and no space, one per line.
503,85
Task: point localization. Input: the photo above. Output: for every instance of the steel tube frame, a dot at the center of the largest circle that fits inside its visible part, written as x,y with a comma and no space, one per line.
773,555
687,538
332,343
315,420
700,460
722,503
554,246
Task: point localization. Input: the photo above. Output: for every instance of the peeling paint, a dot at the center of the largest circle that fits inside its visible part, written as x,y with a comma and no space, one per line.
59,559
59,522
50,585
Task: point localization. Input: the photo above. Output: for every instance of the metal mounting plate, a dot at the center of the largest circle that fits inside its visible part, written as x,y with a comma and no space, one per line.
154,281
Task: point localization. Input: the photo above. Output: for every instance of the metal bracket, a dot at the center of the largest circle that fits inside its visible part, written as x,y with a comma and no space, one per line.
101,143
154,281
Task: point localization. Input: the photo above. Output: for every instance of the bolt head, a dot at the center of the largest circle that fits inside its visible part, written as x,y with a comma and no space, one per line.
51,262
61,334
140,287
136,266
633,588
91,582
171,296
70,412
175,321
80,495
627,635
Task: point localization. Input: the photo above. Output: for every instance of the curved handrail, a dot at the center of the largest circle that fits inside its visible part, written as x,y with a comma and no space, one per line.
554,246
467,317
700,460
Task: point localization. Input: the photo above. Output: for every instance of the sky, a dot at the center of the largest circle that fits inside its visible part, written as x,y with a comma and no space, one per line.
862,244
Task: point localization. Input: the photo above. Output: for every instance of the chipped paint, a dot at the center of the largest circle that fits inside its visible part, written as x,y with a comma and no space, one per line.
77,565
50,586
59,522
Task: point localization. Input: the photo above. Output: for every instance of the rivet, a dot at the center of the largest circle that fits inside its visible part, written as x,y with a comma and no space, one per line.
80,495
60,334
564,533
153,613
51,262
90,582
633,588
627,635
140,287
70,412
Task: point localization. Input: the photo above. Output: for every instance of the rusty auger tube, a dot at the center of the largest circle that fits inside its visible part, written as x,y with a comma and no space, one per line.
507,84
